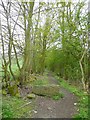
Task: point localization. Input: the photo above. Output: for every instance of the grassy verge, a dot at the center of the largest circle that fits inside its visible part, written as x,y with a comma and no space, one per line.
82,98
13,107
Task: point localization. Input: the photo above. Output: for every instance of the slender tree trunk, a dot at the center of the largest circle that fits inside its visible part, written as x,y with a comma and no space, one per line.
63,33
34,43
82,70
26,68
6,76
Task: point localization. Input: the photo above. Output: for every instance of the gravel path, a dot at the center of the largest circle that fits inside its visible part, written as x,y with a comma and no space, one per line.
48,108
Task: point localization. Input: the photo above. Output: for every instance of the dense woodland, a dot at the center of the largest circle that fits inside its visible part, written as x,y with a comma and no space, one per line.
51,36
43,36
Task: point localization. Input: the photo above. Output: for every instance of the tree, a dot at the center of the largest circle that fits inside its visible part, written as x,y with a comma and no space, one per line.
26,68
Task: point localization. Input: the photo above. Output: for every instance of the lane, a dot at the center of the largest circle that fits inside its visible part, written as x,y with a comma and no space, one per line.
48,108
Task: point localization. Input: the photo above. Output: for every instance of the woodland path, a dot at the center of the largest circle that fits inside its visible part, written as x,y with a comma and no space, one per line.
48,108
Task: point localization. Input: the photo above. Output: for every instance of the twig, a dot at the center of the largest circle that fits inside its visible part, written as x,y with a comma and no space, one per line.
24,105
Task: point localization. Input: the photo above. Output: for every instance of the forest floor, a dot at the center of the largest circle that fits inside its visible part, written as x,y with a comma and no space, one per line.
72,103
48,108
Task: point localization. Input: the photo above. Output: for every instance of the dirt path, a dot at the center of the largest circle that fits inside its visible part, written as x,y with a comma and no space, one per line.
48,108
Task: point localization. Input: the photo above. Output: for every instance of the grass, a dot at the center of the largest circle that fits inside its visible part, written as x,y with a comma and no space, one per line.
58,96
14,66
11,104
41,80
54,97
11,107
44,80
82,98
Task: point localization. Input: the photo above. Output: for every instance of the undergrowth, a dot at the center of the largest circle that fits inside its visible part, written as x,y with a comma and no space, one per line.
14,107
58,96
82,98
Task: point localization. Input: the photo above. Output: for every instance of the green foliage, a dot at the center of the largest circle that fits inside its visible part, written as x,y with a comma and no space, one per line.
40,82
4,92
13,90
31,96
14,65
7,111
1,68
47,90
13,107
63,63
56,44
58,96
82,99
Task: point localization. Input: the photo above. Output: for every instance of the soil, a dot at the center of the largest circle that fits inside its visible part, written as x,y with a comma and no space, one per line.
49,108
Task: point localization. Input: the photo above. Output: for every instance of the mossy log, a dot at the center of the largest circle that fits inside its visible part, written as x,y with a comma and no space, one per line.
46,90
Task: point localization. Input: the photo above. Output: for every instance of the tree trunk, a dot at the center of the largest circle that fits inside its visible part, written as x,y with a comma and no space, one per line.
82,71
26,68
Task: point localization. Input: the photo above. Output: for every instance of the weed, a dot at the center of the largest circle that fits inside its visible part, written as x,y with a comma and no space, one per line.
11,107
58,96
7,111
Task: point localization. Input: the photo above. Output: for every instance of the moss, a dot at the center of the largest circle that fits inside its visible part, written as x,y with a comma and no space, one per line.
31,96
13,90
46,90
18,95
4,92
